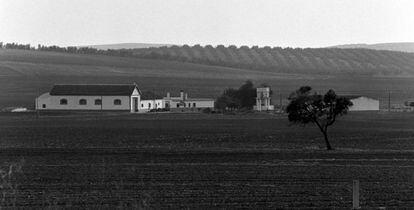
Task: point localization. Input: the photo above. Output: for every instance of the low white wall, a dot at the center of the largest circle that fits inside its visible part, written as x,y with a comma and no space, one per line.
364,104
190,104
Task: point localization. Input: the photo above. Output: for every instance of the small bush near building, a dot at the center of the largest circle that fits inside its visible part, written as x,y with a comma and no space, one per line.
207,111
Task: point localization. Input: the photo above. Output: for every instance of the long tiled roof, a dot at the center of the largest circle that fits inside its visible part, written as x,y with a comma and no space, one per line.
93,90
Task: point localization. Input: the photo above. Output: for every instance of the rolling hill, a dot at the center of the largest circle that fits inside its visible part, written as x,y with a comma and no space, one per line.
397,46
24,74
326,61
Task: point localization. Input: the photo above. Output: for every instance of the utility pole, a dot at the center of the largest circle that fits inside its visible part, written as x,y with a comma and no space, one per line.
355,194
389,101
280,102
37,104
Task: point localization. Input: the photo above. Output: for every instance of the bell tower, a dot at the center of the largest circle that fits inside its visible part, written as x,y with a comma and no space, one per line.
263,102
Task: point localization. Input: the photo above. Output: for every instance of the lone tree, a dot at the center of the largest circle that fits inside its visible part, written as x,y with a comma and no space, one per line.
307,107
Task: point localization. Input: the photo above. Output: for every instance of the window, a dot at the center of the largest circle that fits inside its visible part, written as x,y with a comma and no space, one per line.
142,105
117,102
178,105
194,104
98,102
44,106
82,102
189,104
63,101
149,105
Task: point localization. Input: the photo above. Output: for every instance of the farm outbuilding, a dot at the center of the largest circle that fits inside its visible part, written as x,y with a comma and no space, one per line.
90,97
362,103
185,103
114,98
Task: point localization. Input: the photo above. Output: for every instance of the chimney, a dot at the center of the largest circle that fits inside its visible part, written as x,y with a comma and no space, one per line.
168,95
182,94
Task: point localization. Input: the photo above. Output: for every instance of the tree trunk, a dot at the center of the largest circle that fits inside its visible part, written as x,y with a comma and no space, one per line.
328,145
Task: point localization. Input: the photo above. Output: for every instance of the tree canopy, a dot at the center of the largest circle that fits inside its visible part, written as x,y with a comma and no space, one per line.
322,110
244,97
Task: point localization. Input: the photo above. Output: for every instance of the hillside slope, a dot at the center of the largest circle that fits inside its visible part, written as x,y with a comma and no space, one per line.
397,46
24,74
331,61
40,63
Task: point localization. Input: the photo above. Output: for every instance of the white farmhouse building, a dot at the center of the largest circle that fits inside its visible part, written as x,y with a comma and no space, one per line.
91,97
184,103
362,103
115,98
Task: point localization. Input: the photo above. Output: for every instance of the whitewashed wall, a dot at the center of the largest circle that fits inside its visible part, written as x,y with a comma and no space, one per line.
190,104
53,102
147,104
364,104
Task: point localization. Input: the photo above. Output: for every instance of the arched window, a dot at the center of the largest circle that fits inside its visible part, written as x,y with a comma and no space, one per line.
194,104
98,102
82,102
63,101
117,102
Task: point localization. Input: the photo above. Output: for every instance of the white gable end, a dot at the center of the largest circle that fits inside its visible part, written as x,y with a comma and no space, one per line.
135,92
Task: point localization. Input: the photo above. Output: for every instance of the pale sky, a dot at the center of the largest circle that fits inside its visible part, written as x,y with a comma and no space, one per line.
294,23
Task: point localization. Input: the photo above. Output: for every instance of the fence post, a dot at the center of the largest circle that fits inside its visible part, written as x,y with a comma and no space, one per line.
355,194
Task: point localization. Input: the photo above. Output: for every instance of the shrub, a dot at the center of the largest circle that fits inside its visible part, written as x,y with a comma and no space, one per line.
207,110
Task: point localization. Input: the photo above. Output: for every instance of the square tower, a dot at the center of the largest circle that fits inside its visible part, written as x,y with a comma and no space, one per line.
263,102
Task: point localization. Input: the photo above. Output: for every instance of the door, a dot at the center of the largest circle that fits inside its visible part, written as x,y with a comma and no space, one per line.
135,104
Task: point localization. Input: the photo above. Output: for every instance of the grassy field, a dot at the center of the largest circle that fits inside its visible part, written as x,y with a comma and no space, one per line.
26,74
155,161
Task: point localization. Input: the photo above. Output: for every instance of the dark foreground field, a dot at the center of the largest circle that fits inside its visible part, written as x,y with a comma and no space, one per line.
204,161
